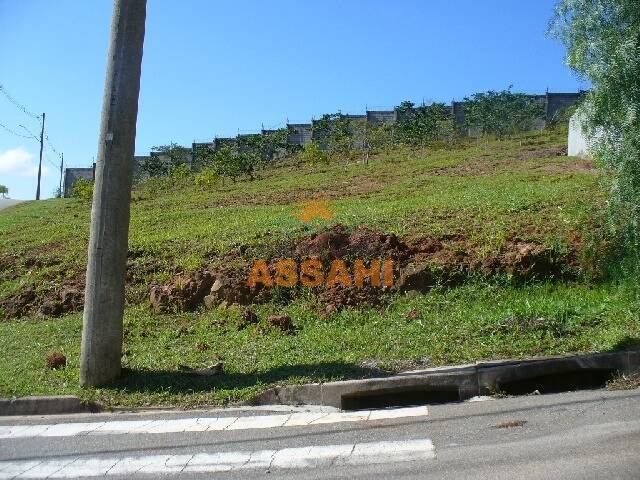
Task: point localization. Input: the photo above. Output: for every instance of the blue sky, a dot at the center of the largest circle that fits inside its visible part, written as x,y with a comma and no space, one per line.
227,66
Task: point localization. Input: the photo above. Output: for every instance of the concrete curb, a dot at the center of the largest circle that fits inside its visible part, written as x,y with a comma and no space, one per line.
464,381
45,405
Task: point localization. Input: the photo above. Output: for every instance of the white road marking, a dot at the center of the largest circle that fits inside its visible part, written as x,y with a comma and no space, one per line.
287,458
204,424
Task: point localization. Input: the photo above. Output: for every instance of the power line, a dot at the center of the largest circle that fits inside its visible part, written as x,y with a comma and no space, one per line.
50,162
14,133
18,104
33,135
31,114
41,139
46,137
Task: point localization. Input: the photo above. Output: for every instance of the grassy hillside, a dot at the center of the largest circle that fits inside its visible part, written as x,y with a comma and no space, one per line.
486,205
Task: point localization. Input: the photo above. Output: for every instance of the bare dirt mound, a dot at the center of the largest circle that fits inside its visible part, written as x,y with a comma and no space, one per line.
337,298
18,305
186,292
454,260
418,265
360,243
62,300
66,299
546,152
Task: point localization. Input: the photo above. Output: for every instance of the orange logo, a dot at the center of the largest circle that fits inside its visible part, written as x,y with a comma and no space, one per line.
314,209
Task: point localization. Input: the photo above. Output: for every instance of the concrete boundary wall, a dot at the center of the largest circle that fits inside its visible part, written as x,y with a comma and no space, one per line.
579,144
72,175
301,134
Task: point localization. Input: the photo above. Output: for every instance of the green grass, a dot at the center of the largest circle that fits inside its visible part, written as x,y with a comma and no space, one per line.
489,191
455,326
179,226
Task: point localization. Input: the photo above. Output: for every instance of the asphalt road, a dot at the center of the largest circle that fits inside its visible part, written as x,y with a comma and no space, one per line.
579,435
8,202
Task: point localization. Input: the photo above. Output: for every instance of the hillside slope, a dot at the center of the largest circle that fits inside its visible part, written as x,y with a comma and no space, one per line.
505,228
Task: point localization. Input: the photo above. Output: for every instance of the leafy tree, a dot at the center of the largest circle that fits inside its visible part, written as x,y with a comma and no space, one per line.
341,137
232,163
378,137
207,177
335,134
203,156
252,142
178,171
4,191
446,131
313,154
274,144
422,124
502,113
602,38
165,157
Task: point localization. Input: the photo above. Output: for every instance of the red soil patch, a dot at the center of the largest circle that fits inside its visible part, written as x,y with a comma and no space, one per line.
18,305
282,322
56,360
419,265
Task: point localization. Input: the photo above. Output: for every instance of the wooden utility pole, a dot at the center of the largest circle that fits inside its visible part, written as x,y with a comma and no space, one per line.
61,167
40,164
101,351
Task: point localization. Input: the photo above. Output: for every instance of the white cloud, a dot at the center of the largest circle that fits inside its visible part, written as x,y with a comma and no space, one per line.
20,162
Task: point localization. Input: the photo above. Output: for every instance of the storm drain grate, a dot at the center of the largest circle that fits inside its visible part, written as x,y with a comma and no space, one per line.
567,381
401,397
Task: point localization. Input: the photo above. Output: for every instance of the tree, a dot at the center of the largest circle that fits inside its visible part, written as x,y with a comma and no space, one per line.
334,133
274,144
313,155
164,157
422,124
378,137
602,38
232,163
203,156
4,191
502,113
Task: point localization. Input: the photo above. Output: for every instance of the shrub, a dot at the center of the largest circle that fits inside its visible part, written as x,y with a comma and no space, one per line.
502,113
601,37
179,172
422,124
312,154
337,134
208,177
165,157
231,163
275,145
82,189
